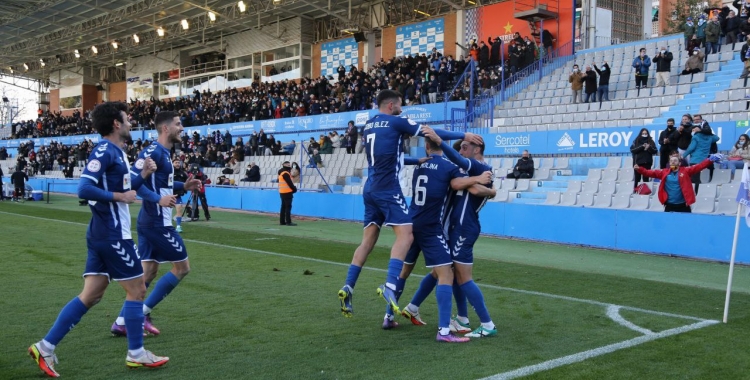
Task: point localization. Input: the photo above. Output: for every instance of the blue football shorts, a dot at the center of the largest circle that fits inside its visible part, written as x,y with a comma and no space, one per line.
386,209
116,259
161,244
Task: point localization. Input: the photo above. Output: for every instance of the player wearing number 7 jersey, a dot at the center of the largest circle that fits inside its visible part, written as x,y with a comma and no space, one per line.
384,202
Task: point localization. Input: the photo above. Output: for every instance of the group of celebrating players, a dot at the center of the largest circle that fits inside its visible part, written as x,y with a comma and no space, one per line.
450,188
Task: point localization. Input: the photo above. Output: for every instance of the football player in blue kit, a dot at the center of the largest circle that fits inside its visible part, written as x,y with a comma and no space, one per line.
158,240
464,229
384,202
109,186
433,184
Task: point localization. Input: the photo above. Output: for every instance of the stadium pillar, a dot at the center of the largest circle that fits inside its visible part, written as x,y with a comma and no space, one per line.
369,56
648,19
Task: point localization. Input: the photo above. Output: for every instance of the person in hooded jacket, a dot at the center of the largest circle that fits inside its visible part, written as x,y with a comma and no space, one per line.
700,146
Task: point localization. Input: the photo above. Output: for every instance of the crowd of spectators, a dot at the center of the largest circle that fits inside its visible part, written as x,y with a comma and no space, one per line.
53,124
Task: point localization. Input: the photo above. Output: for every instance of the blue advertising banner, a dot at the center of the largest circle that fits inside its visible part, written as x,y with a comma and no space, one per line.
583,141
420,37
421,113
342,52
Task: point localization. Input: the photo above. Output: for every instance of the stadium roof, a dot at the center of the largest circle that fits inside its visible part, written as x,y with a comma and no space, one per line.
52,30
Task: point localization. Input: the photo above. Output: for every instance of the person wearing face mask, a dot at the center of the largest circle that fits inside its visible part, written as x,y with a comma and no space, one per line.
732,27
524,167
688,30
667,145
694,63
641,63
602,92
739,155
589,78
576,85
700,145
675,192
643,150
700,30
663,66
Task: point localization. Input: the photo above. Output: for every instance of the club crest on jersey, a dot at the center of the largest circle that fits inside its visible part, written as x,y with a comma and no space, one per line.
139,164
412,122
94,166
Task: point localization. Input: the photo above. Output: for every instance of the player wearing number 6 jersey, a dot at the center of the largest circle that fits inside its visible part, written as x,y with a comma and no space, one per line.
464,228
384,202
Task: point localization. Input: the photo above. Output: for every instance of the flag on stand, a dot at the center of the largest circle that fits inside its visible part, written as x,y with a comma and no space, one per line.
743,195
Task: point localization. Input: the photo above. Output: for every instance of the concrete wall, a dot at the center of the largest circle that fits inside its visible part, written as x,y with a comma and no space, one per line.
117,92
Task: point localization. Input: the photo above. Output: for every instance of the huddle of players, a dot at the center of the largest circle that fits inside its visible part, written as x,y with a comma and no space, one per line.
449,190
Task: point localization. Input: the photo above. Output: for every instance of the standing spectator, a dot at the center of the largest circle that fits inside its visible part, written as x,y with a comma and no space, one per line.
667,144
352,137
663,66
576,84
524,167
694,63
713,32
286,192
19,178
675,192
745,57
433,88
603,90
2,191
739,155
590,79
495,50
643,150
688,30
733,27
641,63
744,26
342,72
547,41
700,30
700,146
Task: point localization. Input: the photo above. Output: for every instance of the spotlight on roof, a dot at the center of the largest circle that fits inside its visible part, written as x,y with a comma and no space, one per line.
212,16
26,66
95,50
115,45
185,25
136,39
78,55
41,62
241,6
160,31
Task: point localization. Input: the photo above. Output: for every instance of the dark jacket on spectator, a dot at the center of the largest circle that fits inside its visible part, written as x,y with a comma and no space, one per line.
253,174
663,62
604,74
590,81
641,155
524,166
671,146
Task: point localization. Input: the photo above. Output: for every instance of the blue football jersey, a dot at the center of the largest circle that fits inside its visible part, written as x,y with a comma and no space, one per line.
160,182
108,169
431,190
383,135
465,212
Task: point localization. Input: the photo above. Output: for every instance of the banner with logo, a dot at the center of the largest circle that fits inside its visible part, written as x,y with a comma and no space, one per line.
583,141
336,53
420,37
427,113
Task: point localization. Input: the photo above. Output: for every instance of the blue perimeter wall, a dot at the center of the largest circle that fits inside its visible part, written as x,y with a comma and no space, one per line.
706,237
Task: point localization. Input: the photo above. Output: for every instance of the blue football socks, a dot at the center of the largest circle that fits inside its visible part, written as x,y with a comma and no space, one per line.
426,286
353,275
133,314
69,316
443,294
163,287
394,270
462,309
474,294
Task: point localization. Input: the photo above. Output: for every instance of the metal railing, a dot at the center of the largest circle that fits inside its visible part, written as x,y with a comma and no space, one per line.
479,112
202,68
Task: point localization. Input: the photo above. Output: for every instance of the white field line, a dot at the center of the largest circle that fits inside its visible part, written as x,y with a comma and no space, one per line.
581,356
613,312
521,291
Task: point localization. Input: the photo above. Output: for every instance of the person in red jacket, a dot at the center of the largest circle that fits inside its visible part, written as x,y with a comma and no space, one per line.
676,189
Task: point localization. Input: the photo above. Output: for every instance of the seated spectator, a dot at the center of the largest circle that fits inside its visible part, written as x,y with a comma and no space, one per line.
326,147
252,173
524,167
233,167
223,181
335,139
694,63
276,149
295,172
745,57
739,155
675,189
315,160
289,148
